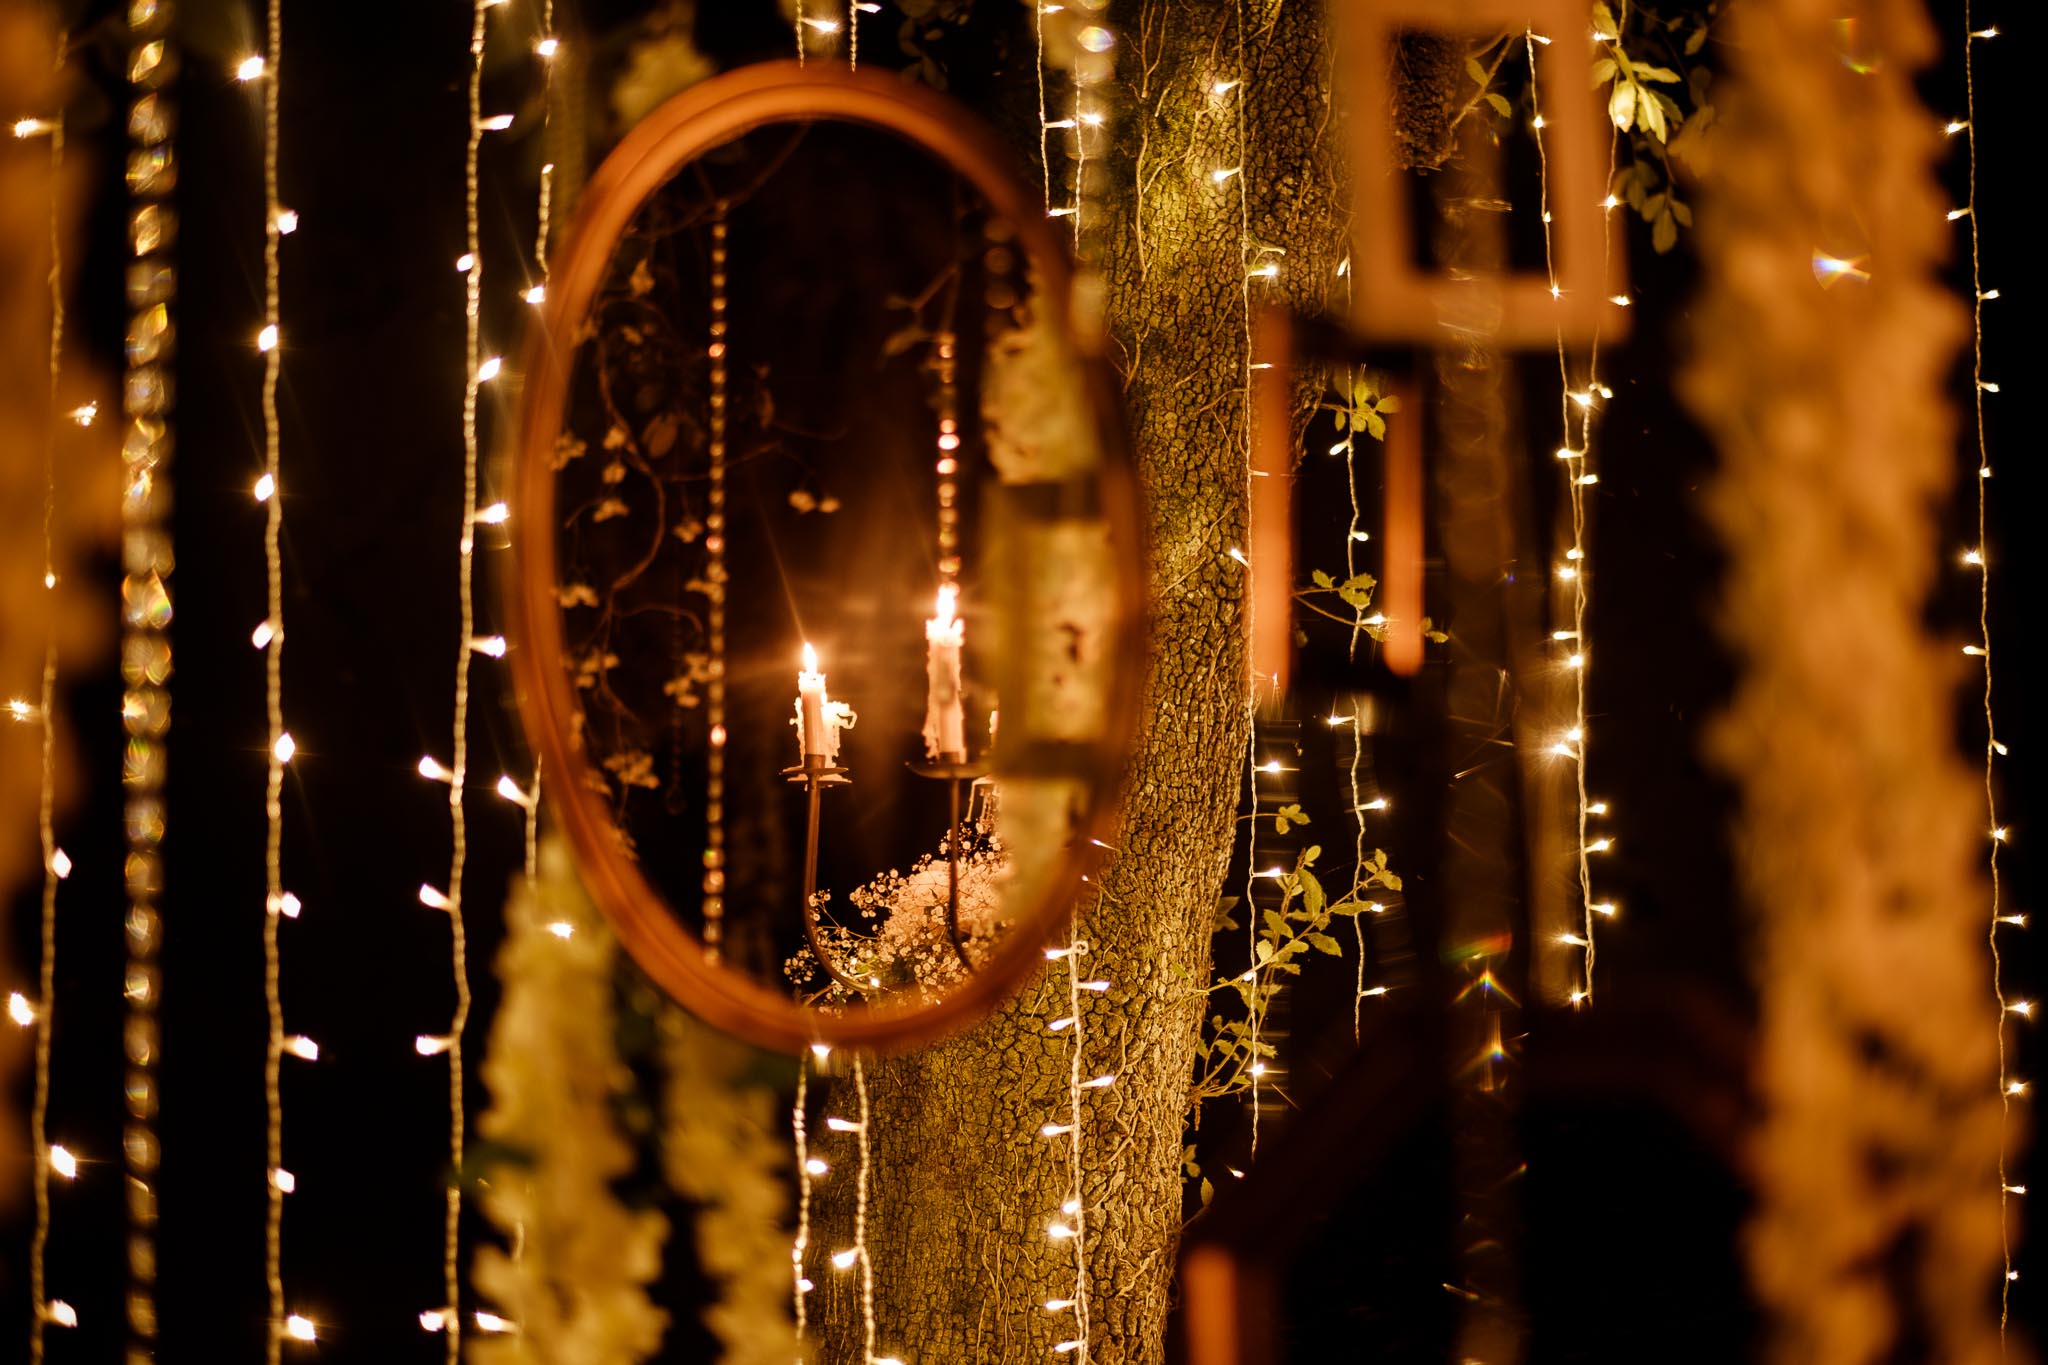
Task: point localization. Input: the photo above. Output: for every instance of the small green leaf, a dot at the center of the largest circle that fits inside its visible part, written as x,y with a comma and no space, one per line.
1475,71
1664,233
1208,1192
1499,103
1603,71
1696,40
1322,579
1325,944
1621,106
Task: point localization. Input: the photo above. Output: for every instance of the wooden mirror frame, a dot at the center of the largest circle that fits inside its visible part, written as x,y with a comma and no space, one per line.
692,123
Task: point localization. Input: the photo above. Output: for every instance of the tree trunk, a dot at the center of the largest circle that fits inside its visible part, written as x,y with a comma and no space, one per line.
964,1185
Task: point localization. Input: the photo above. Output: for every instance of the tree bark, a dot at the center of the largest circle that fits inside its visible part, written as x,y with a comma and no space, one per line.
964,1185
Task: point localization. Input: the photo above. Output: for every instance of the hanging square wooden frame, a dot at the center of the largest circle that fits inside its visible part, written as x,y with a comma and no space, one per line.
1394,300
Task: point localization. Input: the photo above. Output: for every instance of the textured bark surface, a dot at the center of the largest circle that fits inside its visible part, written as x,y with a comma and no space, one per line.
1860,839
964,1184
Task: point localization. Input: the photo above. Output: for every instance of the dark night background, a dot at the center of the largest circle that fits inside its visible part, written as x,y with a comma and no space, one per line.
1632,1219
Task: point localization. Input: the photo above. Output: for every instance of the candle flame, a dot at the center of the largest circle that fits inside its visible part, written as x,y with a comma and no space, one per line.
810,658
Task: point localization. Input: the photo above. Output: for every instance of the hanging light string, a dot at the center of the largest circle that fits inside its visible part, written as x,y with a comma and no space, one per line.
1075,1208
1044,129
1072,1224
715,576
1978,557
1575,462
860,1226
42,1014
478,370
145,643
806,1167
277,1180
547,48
1242,174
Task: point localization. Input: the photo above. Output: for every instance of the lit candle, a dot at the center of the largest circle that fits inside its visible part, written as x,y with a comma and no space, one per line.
813,735
945,722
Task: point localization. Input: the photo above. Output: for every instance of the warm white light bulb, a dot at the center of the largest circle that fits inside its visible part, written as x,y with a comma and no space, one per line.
495,514
508,789
821,1050
839,1125
432,1044
250,68
285,1181
843,1260
465,263
491,1322
816,1167
493,645
433,899
266,339
432,769
63,1162
561,928
487,370
266,484
285,747
299,1045
262,635
496,123
300,1328
20,1010
433,1320
84,413
548,47
63,1314
60,863
288,905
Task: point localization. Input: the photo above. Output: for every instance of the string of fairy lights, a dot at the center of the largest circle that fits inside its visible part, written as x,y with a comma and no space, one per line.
269,637
1978,557
145,646
1573,569
41,1014
1087,120
478,370
1234,90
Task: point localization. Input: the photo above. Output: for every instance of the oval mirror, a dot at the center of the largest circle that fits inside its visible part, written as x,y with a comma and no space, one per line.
827,573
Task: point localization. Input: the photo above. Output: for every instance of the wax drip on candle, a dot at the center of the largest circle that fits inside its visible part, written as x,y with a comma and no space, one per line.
945,719
819,719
